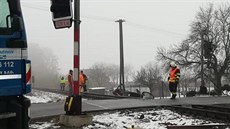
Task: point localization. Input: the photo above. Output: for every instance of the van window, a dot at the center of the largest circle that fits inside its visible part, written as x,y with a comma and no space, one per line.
4,9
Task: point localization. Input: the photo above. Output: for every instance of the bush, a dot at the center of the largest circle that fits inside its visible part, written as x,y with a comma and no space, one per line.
203,90
213,92
225,87
191,93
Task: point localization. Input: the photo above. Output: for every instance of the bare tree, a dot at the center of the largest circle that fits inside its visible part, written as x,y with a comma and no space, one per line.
112,71
212,25
128,72
98,76
149,76
106,75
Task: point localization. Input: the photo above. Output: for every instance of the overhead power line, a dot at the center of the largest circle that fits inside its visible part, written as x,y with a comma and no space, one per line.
152,28
99,18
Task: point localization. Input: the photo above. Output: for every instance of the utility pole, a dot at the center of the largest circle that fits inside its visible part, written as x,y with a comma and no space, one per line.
122,82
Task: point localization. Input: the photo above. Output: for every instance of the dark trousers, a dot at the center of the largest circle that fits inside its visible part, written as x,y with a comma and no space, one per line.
84,87
62,86
173,87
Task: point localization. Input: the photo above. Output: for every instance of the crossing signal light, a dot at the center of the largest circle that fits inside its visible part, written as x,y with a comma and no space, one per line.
208,49
61,13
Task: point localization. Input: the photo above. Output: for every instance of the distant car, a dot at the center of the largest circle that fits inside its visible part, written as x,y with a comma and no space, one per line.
97,90
119,92
147,95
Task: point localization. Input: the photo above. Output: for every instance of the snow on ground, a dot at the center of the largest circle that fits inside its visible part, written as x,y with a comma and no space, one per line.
44,125
151,119
38,96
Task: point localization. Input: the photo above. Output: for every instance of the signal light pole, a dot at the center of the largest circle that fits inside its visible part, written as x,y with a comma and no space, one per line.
76,59
63,18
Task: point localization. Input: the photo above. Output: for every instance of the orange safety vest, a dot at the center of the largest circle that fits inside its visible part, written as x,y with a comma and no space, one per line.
81,79
69,80
172,74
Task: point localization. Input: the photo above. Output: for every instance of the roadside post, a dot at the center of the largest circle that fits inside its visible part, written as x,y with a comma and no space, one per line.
62,16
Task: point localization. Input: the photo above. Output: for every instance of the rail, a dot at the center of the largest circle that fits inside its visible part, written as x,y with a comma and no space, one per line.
197,127
7,115
101,96
213,111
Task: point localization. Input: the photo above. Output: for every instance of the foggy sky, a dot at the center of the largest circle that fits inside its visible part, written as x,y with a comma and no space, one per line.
149,24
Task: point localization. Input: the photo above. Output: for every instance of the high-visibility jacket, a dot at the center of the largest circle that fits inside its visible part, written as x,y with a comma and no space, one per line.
62,81
174,75
81,79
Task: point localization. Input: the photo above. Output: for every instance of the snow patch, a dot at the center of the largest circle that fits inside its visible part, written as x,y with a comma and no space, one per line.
226,93
153,119
37,96
43,125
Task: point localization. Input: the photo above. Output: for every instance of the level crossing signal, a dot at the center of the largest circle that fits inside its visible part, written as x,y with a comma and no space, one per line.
62,13
208,49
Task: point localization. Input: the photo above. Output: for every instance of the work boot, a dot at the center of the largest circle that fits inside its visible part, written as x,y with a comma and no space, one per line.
173,96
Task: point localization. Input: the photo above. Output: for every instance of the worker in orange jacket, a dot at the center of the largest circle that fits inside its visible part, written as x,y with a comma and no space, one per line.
70,82
173,79
81,81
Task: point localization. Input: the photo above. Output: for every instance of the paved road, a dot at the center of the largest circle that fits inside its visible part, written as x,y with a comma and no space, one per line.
48,109
41,110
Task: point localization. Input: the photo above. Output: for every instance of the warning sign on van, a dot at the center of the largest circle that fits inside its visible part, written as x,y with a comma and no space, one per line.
6,54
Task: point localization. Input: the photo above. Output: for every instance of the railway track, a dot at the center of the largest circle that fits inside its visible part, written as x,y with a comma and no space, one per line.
218,112
87,95
100,96
198,127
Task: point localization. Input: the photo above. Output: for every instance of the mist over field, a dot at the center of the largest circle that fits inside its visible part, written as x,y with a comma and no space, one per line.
45,68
